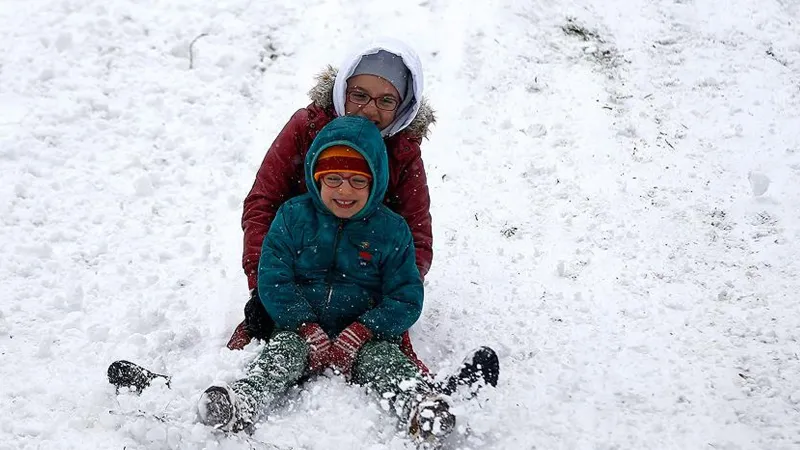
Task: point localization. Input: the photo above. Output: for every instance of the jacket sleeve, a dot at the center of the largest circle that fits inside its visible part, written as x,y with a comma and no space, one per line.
410,198
279,293
279,178
401,303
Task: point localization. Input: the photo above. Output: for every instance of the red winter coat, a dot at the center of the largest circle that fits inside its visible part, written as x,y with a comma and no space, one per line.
281,177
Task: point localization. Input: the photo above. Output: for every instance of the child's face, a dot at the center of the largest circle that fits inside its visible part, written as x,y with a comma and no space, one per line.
344,201
377,88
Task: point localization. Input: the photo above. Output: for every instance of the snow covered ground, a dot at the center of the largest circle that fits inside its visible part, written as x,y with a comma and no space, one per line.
616,202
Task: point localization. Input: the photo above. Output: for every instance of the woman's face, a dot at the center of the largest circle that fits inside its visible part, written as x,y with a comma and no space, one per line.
379,90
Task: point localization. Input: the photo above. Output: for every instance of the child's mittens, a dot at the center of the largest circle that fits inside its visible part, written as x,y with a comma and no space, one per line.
318,346
346,346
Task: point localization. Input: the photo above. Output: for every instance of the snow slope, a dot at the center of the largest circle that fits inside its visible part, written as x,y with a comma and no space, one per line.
616,202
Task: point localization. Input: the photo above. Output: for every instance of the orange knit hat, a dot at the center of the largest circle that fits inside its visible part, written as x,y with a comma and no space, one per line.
341,158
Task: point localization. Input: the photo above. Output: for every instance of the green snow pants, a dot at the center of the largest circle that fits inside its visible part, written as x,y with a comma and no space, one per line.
379,365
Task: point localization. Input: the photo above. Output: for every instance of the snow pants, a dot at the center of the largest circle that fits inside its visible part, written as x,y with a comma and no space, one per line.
379,365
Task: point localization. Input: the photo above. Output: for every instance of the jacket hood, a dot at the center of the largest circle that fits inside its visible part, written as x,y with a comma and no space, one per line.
361,135
416,122
408,109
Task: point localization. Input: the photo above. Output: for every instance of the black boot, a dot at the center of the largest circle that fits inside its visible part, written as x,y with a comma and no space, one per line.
431,422
127,374
218,408
481,368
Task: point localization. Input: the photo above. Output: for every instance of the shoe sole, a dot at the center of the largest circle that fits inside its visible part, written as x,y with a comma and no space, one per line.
218,407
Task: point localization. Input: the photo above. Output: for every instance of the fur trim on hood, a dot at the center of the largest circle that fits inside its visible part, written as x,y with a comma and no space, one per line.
322,95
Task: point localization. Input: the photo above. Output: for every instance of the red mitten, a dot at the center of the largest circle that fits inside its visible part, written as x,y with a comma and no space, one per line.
318,346
239,338
346,346
408,350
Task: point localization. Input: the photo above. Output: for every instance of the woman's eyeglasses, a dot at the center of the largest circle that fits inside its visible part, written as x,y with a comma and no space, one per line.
384,102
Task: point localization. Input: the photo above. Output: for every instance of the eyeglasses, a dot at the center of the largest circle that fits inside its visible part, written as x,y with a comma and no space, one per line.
333,180
383,102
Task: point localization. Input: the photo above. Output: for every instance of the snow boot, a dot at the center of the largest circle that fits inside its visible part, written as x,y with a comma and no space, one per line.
218,408
127,374
431,422
480,368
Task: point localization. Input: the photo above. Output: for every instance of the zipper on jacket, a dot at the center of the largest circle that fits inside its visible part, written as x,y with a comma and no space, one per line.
333,264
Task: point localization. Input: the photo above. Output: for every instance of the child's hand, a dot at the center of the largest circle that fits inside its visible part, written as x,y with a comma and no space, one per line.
346,346
318,346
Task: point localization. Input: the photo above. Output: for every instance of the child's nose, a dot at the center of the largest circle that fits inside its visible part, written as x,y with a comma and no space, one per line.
370,109
345,187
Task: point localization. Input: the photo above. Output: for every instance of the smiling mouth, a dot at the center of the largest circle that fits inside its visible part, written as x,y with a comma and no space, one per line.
344,203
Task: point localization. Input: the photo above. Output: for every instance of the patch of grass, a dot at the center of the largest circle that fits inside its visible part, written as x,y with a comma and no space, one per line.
572,28
597,49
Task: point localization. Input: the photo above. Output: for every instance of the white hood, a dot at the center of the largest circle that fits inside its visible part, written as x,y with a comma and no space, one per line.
410,59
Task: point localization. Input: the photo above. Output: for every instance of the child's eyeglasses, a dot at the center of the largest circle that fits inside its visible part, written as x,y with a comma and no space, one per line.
384,102
333,180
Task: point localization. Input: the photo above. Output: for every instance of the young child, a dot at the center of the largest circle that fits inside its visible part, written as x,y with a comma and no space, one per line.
337,274
383,82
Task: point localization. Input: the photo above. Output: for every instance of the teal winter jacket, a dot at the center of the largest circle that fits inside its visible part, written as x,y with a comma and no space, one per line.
316,267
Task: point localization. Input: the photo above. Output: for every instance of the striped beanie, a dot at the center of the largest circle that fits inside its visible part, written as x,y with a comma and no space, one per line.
341,158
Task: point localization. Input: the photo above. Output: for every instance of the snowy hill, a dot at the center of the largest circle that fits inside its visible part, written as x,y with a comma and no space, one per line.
616,203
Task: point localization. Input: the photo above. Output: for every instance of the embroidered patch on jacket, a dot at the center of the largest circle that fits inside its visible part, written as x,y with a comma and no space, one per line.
364,258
